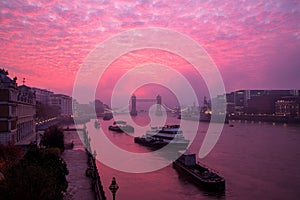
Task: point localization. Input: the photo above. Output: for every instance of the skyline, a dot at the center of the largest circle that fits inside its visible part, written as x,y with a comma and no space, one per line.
254,44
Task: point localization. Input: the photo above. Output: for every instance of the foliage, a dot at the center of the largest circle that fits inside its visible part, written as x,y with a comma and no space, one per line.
53,138
45,111
9,154
41,174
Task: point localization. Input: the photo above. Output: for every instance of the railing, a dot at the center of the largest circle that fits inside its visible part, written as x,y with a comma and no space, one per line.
92,172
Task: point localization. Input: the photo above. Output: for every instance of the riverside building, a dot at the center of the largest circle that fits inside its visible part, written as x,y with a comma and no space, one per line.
17,110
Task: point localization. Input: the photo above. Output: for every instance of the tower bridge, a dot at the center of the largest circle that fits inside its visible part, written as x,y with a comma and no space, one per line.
134,100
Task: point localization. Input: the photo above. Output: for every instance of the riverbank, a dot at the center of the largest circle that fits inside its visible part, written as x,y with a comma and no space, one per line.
265,118
258,161
78,161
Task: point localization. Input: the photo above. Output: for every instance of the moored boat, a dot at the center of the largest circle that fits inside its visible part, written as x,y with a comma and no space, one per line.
159,137
200,175
97,124
107,116
204,114
120,127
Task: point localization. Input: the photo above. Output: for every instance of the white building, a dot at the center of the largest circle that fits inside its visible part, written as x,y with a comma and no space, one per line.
42,95
8,106
17,105
64,102
26,111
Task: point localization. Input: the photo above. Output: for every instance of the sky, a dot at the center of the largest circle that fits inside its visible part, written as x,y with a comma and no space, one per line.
254,44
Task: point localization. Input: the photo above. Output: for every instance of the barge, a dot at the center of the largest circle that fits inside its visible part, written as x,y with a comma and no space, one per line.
198,174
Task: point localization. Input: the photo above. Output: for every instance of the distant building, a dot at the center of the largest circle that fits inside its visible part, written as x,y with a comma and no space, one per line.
75,106
264,104
8,107
99,107
42,95
254,101
230,107
25,112
250,94
282,92
17,105
263,101
220,104
239,101
288,107
64,102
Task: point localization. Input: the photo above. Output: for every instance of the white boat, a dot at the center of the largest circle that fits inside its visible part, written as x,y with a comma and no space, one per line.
159,137
121,126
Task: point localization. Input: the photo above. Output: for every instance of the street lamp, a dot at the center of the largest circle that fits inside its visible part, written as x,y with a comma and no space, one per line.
113,187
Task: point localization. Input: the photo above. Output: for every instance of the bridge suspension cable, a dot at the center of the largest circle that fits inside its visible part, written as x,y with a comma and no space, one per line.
174,110
117,109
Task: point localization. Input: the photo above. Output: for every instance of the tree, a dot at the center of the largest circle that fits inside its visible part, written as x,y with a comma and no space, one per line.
9,154
45,111
53,137
41,174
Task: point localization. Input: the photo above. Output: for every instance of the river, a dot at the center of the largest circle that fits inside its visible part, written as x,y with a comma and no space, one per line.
258,161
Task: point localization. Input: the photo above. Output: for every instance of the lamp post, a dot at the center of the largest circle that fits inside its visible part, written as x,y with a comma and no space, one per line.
113,187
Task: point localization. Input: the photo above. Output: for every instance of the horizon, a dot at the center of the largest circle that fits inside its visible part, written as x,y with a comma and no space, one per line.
146,95
254,45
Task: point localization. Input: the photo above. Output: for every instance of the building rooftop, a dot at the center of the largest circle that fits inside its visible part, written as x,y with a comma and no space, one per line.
5,81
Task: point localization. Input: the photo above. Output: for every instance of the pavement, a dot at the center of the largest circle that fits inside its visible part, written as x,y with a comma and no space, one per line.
80,187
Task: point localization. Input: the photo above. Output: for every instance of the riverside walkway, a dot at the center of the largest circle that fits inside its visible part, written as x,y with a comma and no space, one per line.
80,187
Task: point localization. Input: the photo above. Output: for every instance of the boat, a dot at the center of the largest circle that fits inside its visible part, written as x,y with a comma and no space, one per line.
218,118
199,174
97,124
158,137
205,117
204,114
107,116
120,127
195,113
189,116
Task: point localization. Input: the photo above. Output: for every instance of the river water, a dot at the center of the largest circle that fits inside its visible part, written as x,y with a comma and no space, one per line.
257,160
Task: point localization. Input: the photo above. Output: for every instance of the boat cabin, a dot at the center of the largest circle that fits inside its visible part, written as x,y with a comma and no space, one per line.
187,158
119,123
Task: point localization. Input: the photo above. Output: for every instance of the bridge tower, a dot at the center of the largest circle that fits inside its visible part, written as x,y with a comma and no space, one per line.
133,111
158,106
